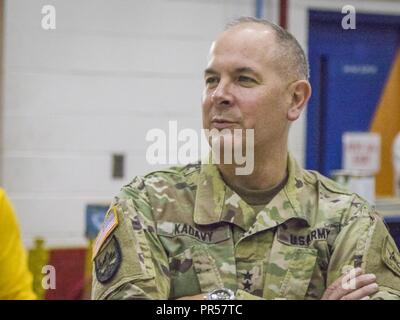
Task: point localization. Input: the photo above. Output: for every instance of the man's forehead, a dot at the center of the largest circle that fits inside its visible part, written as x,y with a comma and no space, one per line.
248,41
247,31
246,36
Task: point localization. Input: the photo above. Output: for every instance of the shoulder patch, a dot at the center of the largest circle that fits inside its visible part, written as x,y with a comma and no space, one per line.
108,261
109,224
391,255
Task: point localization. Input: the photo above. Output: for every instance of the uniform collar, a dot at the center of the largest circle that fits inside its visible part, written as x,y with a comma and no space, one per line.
215,202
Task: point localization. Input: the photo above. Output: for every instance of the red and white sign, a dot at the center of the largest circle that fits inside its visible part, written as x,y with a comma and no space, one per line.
361,151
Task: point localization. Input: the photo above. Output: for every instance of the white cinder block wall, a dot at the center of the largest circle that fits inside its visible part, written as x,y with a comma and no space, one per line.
110,71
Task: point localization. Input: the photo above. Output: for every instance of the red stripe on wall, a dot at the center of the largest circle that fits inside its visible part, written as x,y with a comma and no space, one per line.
70,269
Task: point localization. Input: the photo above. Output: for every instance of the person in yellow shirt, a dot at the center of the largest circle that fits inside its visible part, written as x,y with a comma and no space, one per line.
15,277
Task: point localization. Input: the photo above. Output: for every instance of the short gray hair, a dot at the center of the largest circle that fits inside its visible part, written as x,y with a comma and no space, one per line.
290,51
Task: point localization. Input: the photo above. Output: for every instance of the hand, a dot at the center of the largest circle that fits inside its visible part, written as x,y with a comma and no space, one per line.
196,297
353,285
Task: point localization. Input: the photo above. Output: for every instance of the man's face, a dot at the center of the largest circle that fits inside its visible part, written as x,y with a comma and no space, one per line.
243,86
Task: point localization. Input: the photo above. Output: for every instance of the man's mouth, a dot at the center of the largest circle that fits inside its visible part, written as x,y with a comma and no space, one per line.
221,123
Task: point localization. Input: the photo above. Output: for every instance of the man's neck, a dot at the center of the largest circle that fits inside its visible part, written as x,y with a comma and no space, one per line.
269,171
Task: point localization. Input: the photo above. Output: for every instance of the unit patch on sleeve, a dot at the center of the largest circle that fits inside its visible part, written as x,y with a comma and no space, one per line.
108,261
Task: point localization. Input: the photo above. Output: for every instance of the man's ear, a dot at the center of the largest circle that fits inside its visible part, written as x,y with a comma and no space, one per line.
300,92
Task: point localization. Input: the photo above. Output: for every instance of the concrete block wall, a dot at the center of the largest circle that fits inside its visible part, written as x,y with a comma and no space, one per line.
94,86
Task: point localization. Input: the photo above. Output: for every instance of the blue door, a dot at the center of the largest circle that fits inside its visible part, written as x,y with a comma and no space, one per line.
348,70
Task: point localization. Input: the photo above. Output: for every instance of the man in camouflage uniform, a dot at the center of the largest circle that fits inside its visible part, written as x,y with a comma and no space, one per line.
281,232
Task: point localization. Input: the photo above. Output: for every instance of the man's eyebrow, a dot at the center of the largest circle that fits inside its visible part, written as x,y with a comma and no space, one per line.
237,70
245,70
210,71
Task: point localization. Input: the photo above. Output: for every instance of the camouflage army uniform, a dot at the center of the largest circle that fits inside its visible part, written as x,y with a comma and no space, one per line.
183,232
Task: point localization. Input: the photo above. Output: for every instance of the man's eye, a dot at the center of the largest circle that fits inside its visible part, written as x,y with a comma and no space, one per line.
211,80
246,79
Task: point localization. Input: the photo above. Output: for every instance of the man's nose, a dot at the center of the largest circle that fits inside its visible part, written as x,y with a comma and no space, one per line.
222,94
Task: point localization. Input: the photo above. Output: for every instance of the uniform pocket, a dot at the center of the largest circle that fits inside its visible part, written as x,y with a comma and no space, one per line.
206,269
184,280
289,272
193,271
